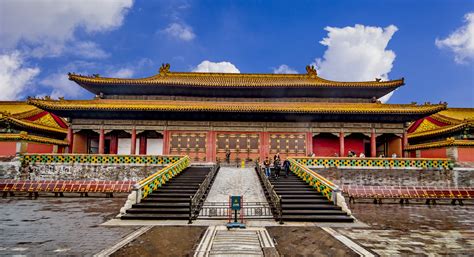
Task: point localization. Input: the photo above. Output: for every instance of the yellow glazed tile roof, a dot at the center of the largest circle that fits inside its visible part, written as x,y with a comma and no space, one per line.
438,144
33,125
23,136
213,106
18,108
425,125
18,113
440,130
455,115
165,77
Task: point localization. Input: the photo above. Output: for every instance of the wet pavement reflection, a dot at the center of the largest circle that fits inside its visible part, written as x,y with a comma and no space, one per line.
414,229
59,226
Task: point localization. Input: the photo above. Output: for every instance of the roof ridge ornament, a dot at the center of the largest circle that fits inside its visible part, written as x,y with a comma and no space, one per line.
164,69
311,71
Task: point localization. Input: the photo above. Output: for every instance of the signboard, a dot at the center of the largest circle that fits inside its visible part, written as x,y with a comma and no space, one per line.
235,202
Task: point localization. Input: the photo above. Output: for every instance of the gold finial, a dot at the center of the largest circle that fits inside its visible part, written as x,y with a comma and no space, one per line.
311,71
165,68
23,134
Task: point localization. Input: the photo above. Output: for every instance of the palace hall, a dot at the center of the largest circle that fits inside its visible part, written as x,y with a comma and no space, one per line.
247,116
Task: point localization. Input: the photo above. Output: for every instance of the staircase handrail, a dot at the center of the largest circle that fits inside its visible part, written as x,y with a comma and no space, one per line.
195,200
147,185
321,184
376,162
275,199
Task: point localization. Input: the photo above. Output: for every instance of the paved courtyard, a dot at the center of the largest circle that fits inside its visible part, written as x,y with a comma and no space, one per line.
414,229
58,226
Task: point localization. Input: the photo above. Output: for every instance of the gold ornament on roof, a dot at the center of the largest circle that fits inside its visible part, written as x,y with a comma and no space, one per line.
311,71
164,69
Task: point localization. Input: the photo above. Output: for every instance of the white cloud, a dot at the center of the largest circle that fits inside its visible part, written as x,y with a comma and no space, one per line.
284,69
224,67
14,77
461,41
47,25
61,86
180,31
357,53
88,49
121,73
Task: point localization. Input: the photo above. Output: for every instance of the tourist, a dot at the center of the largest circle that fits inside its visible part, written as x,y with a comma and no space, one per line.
277,167
350,154
286,166
277,156
313,155
394,155
267,163
362,155
227,156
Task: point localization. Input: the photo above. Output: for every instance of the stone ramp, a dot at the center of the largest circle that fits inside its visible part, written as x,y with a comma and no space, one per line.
218,241
236,181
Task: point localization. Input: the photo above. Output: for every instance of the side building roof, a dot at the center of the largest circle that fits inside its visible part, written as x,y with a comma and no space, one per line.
442,123
31,118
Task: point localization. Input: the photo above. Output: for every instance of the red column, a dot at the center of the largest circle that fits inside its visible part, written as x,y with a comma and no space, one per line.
101,141
341,144
133,142
166,142
261,148
208,146
70,139
404,143
113,143
265,145
211,146
142,149
309,143
373,144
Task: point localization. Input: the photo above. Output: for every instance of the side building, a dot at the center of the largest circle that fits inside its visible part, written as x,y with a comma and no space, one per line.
25,128
447,134
249,116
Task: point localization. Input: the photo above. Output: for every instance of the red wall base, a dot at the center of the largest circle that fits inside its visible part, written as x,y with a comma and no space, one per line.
39,148
433,153
465,154
7,148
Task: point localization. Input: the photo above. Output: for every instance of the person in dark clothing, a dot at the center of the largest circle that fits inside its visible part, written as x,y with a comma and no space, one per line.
286,167
277,167
227,156
277,156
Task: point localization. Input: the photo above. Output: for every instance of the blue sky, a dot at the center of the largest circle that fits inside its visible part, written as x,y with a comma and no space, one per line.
430,43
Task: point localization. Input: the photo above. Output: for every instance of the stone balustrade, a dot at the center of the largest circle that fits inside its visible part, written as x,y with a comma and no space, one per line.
357,162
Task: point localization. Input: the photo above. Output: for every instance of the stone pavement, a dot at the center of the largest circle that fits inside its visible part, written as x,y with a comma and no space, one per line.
236,181
59,226
413,229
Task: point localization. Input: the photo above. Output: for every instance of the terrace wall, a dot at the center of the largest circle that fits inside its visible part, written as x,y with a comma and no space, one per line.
399,177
